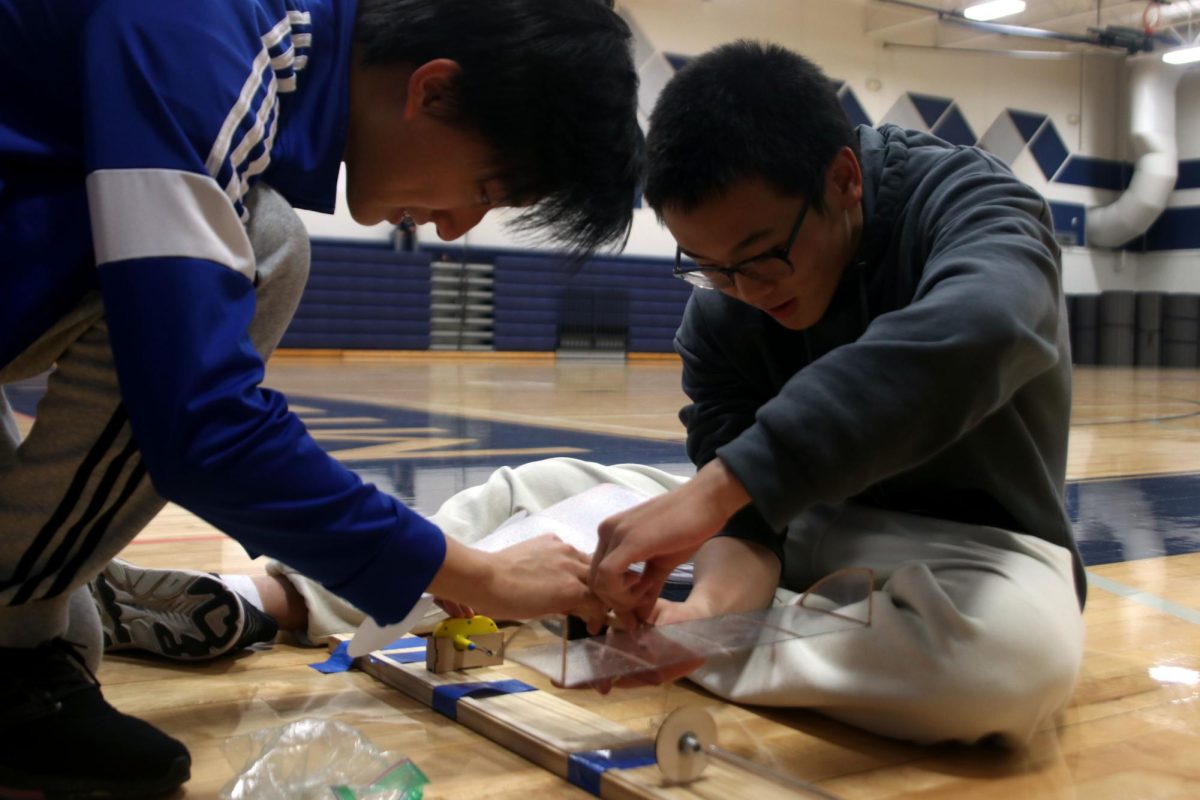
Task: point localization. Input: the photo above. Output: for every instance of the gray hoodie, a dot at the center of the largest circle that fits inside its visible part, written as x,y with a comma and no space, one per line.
937,383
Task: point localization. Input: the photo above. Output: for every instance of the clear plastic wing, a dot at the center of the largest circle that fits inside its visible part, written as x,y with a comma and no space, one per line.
840,601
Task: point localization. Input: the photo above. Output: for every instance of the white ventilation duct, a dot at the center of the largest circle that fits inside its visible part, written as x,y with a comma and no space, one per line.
1156,163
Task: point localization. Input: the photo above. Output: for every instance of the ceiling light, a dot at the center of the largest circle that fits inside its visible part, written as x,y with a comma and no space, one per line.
982,12
1185,55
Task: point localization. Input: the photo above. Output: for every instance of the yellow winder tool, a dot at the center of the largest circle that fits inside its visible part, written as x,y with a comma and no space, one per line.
459,643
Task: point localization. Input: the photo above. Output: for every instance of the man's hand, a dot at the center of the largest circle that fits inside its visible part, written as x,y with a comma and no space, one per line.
668,612
663,612
731,575
664,532
454,609
540,576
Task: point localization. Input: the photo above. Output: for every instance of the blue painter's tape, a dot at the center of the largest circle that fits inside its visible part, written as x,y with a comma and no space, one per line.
339,660
413,647
445,698
585,768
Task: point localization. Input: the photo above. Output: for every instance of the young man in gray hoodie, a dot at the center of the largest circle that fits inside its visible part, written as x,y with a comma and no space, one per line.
878,366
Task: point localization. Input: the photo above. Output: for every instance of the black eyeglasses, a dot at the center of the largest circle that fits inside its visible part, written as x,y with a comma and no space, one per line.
769,266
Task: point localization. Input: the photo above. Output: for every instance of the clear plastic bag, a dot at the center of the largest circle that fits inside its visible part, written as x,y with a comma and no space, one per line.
314,759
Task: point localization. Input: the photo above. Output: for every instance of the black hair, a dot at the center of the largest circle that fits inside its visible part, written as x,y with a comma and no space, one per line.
549,84
744,110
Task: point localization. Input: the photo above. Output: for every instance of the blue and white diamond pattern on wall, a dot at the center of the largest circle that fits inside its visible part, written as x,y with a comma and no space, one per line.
1048,150
938,115
850,104
953,127
677,61
1099,173
1013,132
931,108
904,112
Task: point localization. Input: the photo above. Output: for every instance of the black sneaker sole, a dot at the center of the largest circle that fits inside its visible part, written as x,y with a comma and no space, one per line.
178,614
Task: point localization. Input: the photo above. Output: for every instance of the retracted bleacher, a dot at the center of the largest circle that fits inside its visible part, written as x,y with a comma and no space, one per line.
606,304
365,297
371,296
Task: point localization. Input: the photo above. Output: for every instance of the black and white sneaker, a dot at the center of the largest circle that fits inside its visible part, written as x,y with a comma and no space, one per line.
175,613
63,741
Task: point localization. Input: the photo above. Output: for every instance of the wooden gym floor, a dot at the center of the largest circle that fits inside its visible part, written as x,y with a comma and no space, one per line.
426,426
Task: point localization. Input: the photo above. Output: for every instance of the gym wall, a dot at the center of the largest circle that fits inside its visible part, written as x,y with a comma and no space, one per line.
1061,125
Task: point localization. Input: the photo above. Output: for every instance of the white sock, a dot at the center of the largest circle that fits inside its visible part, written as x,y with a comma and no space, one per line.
244,585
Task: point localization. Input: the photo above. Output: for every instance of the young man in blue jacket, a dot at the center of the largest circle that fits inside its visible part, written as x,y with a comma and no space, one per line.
150,152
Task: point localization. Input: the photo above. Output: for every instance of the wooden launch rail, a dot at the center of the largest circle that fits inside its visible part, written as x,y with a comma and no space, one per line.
594,753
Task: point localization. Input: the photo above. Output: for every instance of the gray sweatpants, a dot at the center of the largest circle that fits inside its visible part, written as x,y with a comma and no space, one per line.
976,631
75,492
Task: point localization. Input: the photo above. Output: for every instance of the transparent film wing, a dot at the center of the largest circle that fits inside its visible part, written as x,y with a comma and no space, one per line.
841,601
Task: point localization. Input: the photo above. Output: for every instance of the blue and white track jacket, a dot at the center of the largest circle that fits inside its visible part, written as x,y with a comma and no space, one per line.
130,133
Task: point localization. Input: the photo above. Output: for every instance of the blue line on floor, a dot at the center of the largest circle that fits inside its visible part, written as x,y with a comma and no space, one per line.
1145,598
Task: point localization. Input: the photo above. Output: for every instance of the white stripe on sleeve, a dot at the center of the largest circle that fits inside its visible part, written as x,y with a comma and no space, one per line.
164,213
220,148
260,164
257,131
